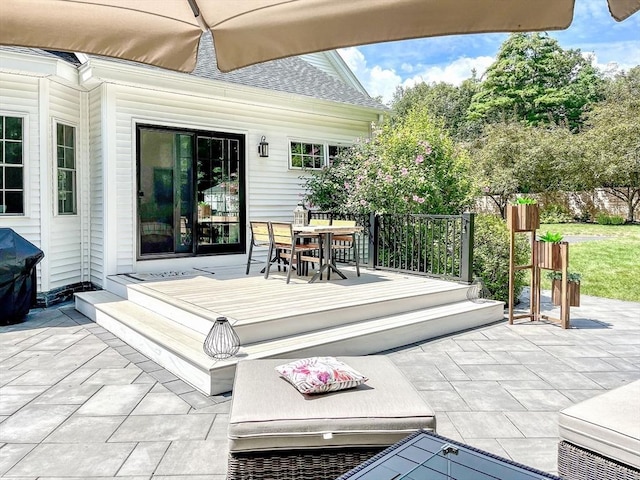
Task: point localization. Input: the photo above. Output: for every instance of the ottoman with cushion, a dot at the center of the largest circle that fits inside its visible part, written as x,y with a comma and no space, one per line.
600,437
276,432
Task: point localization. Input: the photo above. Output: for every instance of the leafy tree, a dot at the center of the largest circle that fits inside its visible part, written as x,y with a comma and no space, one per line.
535,80
444,102
410,166
612,138
517,158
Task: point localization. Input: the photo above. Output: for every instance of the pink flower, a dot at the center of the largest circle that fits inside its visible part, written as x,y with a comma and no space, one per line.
419,159
404,172
418,199
347,186
363,203
388,178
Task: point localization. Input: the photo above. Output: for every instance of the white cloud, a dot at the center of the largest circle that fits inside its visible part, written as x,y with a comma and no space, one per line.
377,80
455,72
383,81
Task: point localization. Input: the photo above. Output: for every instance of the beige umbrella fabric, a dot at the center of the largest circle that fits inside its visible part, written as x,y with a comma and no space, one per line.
166,33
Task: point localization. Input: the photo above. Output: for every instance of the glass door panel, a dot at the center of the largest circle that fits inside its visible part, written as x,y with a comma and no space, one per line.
218,193
156,192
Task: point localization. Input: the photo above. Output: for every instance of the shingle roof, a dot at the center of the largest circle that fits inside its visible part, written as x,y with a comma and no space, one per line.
289,75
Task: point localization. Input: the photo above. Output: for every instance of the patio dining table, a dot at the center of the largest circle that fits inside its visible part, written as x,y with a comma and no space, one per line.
326,233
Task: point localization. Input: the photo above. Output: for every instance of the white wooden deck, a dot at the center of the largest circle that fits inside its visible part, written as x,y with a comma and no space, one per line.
360,315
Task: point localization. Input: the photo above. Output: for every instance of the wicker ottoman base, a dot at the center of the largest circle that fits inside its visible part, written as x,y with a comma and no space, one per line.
575,463
296,464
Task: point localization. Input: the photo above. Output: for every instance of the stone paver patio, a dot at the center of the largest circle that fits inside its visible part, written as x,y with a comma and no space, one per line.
77,402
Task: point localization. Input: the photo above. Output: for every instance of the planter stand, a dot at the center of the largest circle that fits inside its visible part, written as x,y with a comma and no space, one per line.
525,219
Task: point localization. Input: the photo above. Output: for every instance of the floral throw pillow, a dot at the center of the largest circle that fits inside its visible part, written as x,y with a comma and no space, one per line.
320,375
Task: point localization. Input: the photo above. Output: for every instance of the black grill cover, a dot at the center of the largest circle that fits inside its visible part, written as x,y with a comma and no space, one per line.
18,260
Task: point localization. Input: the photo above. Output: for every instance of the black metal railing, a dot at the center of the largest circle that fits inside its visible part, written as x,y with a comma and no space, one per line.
432,245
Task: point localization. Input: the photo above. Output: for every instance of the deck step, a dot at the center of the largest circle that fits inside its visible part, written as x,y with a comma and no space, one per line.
300,309
178,348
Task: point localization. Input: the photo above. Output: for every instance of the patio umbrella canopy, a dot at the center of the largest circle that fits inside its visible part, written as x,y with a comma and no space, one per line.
166,33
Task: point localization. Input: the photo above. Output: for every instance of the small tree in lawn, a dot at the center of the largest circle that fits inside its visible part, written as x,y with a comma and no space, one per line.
612,140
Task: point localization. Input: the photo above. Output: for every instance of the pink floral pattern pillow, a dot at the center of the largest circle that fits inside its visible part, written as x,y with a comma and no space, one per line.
320,375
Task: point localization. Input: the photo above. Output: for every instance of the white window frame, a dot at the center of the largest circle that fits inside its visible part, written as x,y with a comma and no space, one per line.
324,144
25,142
57,168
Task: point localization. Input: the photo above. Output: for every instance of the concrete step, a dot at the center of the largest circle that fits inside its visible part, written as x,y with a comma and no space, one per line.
179,348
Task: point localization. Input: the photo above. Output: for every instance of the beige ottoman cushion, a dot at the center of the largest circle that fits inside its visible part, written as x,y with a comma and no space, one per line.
268,413
608,424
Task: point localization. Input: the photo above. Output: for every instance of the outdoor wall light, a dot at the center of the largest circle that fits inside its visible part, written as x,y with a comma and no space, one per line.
222,341
263,148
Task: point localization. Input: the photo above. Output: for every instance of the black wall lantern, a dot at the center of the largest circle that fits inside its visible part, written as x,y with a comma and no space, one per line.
263,148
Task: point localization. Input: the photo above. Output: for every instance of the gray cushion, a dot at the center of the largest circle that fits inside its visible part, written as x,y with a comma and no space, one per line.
267,413
608,424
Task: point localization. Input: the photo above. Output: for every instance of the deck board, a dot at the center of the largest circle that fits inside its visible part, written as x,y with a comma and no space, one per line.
253,298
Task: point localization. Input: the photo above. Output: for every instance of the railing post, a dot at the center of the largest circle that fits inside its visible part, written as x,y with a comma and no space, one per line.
466,257
374,228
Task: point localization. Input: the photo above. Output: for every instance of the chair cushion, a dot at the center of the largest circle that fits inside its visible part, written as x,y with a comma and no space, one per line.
320,375
267,414
608,424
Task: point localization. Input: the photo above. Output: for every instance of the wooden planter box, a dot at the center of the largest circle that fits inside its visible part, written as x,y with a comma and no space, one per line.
523,218
549,255
573,291
204,211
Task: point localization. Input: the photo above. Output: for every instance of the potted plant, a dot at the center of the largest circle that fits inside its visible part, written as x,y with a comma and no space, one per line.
524,215
573,288
549,251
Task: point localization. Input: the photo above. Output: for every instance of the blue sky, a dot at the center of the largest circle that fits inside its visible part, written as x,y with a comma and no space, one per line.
384,66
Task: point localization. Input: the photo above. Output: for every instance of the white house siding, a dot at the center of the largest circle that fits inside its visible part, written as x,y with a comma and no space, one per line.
96,187
65,259
273,189
19,96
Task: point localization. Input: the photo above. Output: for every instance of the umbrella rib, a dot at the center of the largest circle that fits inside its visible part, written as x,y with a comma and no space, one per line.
196,13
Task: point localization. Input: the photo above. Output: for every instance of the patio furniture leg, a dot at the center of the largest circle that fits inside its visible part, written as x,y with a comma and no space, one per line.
249,258
266,272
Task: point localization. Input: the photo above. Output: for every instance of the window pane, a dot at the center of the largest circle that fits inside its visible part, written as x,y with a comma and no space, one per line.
60,134
13,202
69,136
296,161
60,156
1,151
13,152
1,181
69,158
13,128
13,177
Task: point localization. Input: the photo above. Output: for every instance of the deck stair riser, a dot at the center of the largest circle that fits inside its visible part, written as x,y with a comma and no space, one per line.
311,314
179,348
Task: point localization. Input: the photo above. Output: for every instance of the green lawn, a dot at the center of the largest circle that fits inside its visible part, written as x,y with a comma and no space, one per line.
610,268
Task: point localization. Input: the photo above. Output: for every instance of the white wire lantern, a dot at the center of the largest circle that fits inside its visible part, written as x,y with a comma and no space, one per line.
477,292
222,341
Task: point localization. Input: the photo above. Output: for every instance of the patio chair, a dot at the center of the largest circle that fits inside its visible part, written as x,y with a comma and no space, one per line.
284,244
346,242
259,238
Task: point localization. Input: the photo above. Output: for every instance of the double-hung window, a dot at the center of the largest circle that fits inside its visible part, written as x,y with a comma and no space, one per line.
307,155
11,165
66,162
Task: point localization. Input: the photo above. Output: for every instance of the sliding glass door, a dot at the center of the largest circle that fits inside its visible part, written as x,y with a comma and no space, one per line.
190,192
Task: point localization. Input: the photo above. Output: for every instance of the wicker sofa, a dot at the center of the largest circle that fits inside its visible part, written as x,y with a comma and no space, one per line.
275,432
600,437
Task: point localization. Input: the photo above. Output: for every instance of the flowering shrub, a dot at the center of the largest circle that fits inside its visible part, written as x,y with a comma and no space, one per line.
411,166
